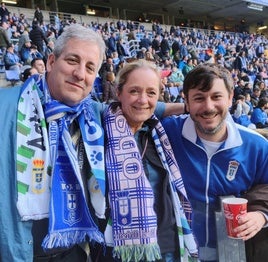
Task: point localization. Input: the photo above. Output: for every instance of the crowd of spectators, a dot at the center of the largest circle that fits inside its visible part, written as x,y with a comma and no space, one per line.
176,51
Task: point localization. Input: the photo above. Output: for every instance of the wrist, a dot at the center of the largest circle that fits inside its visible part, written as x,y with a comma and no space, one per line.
265,218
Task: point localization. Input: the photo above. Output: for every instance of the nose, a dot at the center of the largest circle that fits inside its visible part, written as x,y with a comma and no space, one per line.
79,73
143,98
208,104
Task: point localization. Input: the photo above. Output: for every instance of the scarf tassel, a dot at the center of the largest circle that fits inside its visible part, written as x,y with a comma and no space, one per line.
135,253
68,239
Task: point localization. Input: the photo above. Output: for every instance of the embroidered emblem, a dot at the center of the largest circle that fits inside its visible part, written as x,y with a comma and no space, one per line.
123,206
38,176
232,169
71,196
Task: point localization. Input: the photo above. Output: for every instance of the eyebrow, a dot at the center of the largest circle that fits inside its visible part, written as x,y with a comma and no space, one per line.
79,57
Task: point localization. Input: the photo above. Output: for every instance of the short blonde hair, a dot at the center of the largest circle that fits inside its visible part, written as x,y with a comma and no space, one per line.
124,72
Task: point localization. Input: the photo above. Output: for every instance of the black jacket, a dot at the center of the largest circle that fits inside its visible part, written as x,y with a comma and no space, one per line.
257,247
37,37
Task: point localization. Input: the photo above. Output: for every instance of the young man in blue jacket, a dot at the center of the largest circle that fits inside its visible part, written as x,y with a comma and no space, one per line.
216,156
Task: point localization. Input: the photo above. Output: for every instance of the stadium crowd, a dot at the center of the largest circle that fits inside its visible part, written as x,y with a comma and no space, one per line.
100,181
176,52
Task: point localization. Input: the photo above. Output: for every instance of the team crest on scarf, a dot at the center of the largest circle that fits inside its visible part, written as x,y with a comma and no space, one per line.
71,198
232,169
123,206
133,226
38,176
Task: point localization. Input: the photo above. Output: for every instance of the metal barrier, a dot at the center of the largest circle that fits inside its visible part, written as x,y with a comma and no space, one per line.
229,250
133,47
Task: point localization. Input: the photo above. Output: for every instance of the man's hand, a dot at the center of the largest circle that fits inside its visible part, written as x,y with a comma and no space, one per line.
250,224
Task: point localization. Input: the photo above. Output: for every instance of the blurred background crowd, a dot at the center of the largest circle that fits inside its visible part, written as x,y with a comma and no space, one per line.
26,43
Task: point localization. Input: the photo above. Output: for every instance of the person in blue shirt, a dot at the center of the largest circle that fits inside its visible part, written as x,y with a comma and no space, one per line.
11,59
28,52
240,112
217,157
221,48
259,115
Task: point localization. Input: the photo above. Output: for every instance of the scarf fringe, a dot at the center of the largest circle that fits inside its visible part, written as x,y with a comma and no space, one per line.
135,253
67,239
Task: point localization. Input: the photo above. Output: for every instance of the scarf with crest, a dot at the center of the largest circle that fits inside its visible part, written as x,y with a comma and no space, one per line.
133,226
50,171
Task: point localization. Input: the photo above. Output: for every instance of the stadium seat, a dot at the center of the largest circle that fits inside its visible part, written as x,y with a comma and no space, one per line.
12,76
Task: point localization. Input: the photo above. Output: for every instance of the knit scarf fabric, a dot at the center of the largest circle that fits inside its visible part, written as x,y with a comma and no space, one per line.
133,229
33,160
70,221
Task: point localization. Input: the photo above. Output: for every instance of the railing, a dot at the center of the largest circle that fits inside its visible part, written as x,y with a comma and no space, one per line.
133,47
49,17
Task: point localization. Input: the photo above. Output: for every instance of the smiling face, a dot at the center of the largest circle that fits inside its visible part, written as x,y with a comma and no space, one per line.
209,109
71,76
139,96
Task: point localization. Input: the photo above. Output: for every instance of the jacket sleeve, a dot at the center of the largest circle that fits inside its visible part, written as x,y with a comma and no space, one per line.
257,198
16,237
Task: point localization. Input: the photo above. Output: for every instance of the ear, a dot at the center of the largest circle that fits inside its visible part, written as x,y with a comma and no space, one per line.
186,105
230,103
50,62
118,95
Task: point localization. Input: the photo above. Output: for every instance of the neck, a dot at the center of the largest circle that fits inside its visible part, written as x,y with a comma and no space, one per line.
219,135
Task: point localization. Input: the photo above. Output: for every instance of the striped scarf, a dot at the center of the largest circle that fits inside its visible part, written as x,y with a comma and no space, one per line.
53,169
133,228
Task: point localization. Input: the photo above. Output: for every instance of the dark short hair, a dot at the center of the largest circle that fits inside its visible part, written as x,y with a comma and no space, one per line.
203,75
33,46
35,59
25,74
262,102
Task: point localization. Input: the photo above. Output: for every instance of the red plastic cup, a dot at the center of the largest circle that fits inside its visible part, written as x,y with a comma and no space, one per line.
233,208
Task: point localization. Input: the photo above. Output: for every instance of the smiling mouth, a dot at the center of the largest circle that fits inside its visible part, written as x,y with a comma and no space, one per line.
140,109
208,116
74,84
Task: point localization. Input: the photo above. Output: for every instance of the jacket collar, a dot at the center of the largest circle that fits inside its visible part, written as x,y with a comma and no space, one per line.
233,137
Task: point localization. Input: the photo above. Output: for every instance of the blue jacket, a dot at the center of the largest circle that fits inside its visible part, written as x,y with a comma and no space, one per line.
259,116
11,59
15,236
240,163
27,56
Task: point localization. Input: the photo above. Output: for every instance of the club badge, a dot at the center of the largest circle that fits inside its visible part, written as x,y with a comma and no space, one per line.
232,169
38,176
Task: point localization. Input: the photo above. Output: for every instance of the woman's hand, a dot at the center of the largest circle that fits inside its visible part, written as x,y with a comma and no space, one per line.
250,224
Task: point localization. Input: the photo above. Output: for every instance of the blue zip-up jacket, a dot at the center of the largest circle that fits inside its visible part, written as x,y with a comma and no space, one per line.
240,163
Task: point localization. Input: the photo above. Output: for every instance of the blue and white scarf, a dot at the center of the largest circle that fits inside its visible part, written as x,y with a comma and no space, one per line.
70,220
33,160
133,228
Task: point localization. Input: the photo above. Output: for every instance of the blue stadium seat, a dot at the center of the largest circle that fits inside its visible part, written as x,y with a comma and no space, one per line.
13,76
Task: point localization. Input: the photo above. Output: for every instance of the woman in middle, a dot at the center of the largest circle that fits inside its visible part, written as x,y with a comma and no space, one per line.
148,220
